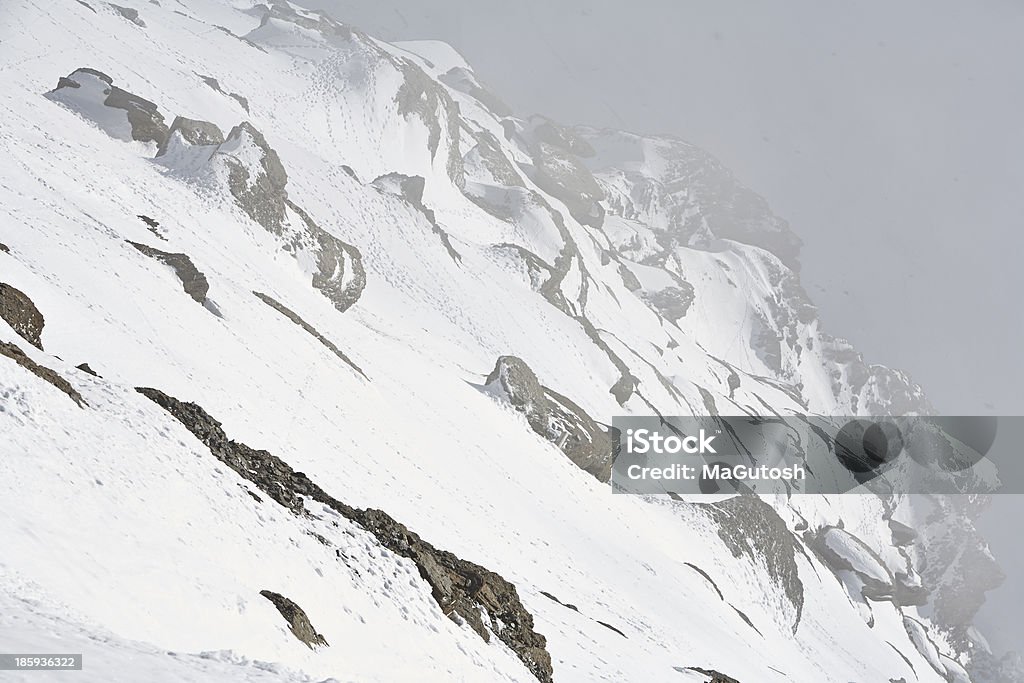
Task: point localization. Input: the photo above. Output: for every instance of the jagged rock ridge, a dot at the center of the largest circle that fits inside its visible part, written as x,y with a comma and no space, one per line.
461,588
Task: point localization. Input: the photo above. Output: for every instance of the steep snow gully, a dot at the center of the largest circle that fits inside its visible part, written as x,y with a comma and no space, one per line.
225,222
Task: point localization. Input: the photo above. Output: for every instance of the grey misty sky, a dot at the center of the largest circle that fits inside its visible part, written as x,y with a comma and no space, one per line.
889,134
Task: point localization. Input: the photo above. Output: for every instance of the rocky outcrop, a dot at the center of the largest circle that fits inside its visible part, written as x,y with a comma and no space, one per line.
46,374
257,181
258,188
862,570
129,13
193,132
687,196
486,162
954,562
466,592
18,311
465,81
152,225
84,367
553,416
340,275
917,632
672,302
712,675
298,622
574,608
752,529
556,166
410,188
192,281
87,91
215,86
421,96
312,331
563,177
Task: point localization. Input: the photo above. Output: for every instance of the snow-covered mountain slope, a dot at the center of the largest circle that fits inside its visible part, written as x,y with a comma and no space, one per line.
307,353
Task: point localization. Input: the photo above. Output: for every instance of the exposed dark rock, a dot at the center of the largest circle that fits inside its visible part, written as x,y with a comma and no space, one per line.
551,597
297,620
626,385
902,534
567,605
212,82
713,676
215,85
259,191
18,311
489,155
153,226
898,588
707,577
339,275
18,356
410,188
421,96
687,195
193,132
145,120
903,657
128,13
247,41
466,592
556,168
192,281
766,342
629,280
295,318
243,101
553,416
753,529
84,367
4,249
562,176
891,391
611,628
746,620
551,286
464,80
671,302
561,137
257,181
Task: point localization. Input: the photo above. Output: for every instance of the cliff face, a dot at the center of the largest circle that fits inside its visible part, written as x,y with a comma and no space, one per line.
432,309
